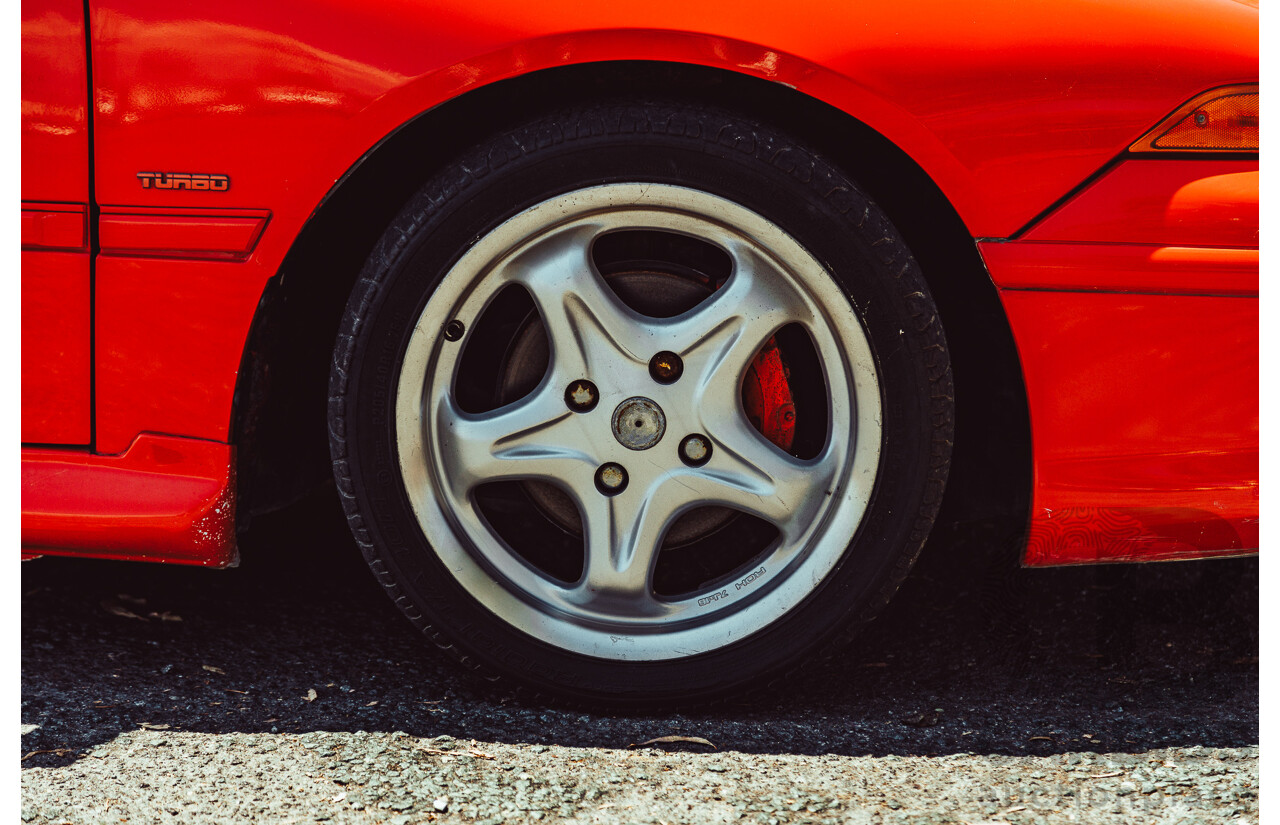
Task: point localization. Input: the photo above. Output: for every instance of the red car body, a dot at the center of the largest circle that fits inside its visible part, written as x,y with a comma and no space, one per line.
175,154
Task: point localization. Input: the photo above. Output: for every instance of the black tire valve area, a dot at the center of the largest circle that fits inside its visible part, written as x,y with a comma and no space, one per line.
454,330
581,396
666,367
695,450
611,478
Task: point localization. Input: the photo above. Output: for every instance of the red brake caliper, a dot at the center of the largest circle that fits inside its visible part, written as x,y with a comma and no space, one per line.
766,396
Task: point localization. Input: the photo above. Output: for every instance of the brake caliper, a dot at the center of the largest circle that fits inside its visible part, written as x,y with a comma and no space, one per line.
766,396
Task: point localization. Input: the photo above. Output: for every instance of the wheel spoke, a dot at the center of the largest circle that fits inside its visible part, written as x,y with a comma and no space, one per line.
533,438
586,324
623,536
753,475
721,336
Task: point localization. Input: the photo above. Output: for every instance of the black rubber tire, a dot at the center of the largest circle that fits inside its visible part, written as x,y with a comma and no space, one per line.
661,142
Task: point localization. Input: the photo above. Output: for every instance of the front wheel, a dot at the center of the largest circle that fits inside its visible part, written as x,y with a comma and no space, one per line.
640,403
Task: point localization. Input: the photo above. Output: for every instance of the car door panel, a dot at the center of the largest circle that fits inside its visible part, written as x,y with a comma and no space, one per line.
56,268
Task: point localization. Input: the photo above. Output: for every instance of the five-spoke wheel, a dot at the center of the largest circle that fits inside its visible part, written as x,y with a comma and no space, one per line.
670,447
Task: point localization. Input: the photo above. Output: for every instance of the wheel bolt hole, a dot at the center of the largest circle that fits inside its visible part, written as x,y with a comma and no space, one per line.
454,330
611,479
581,396
666,367
695,450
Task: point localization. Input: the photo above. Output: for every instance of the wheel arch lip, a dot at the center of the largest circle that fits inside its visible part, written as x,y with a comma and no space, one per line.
426,94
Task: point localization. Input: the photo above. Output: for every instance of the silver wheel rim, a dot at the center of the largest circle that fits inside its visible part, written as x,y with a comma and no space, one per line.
612,612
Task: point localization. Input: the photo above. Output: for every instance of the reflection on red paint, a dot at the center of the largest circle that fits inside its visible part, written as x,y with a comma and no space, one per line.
1144,414
56,313
1165,202
1101,535
55,136
1166,270
165,499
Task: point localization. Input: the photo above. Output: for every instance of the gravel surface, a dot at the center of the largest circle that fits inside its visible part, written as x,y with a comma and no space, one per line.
290,690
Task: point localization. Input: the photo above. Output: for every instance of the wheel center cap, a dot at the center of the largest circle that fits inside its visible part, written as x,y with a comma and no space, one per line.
638,423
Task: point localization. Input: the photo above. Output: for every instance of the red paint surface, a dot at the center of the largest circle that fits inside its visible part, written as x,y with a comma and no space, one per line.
1144,420
55,102
55,347
1165,202
1122,268
54,226
221,235
170,334
1006,105
55,188
1144,407
165,499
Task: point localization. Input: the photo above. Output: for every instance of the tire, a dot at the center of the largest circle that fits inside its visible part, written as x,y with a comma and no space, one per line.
640,403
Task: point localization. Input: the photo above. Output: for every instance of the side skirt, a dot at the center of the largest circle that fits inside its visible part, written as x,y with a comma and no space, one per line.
165,499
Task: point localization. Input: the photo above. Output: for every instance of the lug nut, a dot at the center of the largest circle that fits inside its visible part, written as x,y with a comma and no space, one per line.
454,330
581,396
666,367
611,479
695,450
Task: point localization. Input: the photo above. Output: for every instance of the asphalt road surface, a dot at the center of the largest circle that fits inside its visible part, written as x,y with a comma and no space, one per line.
290,690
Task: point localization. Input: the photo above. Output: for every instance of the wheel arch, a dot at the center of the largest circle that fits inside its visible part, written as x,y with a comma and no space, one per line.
278,417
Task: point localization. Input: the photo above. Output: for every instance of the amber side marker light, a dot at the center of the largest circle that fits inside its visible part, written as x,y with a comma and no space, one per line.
1220,120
